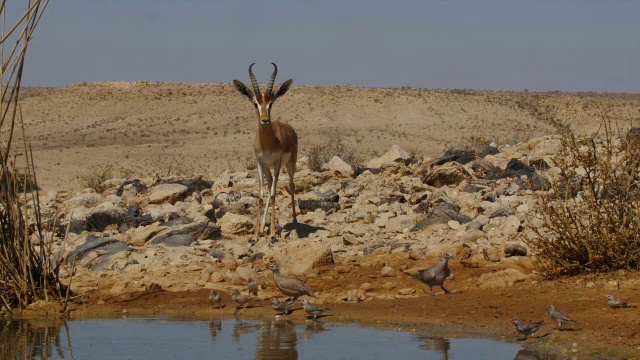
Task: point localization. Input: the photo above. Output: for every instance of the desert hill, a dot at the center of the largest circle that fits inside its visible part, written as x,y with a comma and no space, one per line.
142,128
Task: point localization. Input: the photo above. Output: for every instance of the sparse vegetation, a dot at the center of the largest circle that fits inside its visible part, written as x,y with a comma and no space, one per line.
336,145
28,268
590,220
95,176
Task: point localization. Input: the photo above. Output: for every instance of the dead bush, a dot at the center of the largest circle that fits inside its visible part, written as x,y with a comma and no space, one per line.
591,216
320,154
95,177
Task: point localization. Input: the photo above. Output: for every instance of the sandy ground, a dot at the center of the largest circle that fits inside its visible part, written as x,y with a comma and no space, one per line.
143,128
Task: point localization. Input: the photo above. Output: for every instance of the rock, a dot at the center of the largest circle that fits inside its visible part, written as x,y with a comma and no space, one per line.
140,236
491,254
448,174
503,211
414,254
515,250
174,240
86,200
400,223
501,279
96,252
236,224
167,193
516,168
442,213
453,224
366,287
311,205
461,156
394,157
299,256
355,295
131,188
100,218
406,291
387,271
184,235
336,164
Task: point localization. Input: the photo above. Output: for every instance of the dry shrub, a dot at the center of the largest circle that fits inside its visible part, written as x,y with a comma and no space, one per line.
95,177
320,154
591,216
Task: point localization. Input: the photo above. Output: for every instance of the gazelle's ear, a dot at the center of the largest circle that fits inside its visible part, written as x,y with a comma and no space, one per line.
242,89
283,89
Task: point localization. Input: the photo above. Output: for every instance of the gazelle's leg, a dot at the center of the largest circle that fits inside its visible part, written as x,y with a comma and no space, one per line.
292,190
256,233
274,186
267,173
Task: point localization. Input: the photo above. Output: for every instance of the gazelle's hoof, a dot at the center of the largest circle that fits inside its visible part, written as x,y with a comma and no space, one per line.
273,240
252,242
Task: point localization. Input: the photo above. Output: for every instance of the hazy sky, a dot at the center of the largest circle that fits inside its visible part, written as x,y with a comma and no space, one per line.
584,45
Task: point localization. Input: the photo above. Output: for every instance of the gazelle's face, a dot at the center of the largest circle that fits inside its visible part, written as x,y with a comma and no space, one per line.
263,103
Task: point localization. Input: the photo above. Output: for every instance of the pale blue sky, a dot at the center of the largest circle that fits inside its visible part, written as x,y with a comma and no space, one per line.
562,45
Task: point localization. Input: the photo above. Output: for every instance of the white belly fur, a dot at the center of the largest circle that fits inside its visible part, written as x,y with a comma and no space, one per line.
269,159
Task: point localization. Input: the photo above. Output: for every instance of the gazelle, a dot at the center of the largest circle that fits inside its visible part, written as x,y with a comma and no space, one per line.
276,144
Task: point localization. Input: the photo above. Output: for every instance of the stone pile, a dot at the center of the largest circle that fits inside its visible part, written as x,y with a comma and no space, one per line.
149,232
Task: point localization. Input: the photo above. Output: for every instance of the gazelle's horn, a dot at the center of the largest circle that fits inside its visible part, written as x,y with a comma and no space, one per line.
256,89
273,79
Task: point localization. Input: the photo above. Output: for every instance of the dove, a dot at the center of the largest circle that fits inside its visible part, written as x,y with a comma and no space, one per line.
525,328
616,303
252,286
437,274
215,298
559,317
241,299
288,285
312,309
282,306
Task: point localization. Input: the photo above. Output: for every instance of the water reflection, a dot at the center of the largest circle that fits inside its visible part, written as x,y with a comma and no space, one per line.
436,344
277,340
41,339
265,339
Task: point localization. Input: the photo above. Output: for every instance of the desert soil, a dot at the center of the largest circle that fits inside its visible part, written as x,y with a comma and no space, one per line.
145,128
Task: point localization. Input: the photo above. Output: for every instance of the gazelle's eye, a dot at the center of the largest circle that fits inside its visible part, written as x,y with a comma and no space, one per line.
256,105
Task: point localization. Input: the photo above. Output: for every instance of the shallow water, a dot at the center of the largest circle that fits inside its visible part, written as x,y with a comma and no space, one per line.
166,338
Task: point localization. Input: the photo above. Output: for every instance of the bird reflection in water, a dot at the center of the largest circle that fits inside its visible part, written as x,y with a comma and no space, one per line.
312,327
277,340
215,327
242,328
434,343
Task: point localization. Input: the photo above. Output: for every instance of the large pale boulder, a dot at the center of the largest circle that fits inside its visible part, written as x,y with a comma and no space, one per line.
394,157
85,200
339,165
298,257
236,224
167,193
501,279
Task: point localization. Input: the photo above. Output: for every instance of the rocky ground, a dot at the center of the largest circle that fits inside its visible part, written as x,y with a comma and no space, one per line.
147,245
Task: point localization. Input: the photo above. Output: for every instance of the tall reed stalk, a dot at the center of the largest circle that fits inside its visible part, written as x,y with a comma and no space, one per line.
28,271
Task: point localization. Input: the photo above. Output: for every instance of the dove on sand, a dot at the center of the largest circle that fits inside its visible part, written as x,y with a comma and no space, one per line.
288,285
252,286
616,303
312,309
559,317
215,298
437,274
525,328
241,299
282,306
